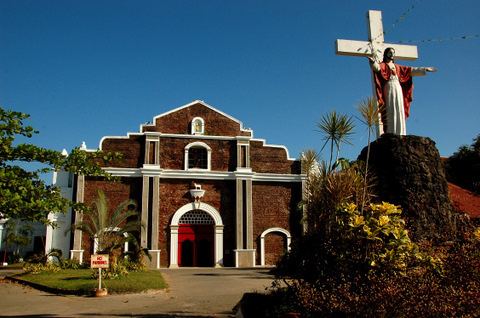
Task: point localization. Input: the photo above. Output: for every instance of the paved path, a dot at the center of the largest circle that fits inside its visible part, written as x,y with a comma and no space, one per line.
192,292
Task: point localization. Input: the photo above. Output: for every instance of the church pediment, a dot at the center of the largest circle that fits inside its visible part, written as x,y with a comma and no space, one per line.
197,118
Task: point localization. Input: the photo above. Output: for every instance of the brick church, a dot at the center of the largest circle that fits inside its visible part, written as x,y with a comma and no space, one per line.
208,192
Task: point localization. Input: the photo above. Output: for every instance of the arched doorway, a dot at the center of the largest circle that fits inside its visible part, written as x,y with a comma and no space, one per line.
195,239
196,236
274,230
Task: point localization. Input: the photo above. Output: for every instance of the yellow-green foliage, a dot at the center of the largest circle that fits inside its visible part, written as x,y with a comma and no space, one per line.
381,228
476,233
36,268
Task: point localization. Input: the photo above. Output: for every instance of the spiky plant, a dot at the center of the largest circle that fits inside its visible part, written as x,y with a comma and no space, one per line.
337,129
109,229
369,116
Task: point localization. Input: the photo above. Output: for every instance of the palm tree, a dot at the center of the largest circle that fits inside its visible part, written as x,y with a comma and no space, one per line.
109,231
17,235
369,112
337,130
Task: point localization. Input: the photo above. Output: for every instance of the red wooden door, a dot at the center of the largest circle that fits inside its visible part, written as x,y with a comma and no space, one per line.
195,245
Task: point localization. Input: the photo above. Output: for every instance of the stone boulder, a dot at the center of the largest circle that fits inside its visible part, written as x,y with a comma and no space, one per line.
409,173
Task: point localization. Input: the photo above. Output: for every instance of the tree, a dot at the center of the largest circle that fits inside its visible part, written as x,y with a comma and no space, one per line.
370,118
463,167
337,129
109,231
16,236
23,194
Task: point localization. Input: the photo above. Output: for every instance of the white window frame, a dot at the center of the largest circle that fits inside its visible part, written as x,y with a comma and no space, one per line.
209,155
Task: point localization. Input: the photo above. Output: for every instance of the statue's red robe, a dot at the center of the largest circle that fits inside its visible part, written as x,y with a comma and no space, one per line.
404,74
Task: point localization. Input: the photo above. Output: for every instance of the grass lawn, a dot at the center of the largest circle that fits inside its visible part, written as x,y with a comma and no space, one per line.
12,266
80,281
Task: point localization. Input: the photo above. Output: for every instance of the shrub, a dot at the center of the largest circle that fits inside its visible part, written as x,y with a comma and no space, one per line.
417,291
36,268
134,266
54,255
73,264
119,268
357,243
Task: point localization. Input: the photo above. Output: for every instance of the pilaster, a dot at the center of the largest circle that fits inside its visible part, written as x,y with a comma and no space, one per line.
244,253
144,217
154,262
218,245
239,214
155,212
173,246
248,214
77,252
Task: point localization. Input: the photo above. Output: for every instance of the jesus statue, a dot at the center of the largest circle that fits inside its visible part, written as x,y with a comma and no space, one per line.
394,87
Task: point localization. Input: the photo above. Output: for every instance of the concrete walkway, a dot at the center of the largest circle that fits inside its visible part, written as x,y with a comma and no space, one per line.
192,292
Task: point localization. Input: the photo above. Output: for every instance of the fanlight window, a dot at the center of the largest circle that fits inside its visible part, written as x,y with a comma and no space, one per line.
196,217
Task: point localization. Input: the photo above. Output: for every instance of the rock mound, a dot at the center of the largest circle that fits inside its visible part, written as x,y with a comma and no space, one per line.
410,173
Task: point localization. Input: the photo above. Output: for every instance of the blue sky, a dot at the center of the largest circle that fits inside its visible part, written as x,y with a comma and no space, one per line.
86,69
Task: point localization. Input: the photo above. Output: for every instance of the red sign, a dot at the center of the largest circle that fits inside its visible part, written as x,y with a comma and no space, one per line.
99,261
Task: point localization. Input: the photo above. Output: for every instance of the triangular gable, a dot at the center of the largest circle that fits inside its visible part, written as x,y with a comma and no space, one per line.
178,121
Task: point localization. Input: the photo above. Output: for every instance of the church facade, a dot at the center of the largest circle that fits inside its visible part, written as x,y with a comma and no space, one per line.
208,192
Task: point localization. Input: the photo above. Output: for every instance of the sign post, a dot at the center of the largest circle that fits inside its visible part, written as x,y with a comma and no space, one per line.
99,261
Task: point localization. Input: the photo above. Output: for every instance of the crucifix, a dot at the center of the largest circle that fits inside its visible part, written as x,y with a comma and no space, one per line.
374,47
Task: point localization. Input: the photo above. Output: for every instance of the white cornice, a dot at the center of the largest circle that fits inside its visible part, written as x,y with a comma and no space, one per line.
117,137
198,137
264,143
204,175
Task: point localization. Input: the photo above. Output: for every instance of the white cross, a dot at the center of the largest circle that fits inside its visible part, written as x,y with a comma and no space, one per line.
375,45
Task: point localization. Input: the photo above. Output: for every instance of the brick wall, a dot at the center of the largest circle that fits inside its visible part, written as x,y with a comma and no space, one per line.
133,150
179,122
266,159
172,152
275,205
116,193
174,194
275,247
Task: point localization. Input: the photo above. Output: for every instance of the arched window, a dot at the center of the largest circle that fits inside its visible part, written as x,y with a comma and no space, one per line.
197,156
198,126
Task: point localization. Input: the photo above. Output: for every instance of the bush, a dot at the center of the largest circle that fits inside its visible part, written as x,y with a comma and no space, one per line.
120,268
73,264
54,255
133,265
357,243
417,291
36,268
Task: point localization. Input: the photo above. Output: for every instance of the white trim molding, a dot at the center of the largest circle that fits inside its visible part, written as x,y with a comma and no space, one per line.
204,174
262,241
218,240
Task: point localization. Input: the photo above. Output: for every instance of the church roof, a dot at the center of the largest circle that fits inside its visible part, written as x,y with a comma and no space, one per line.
465,200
